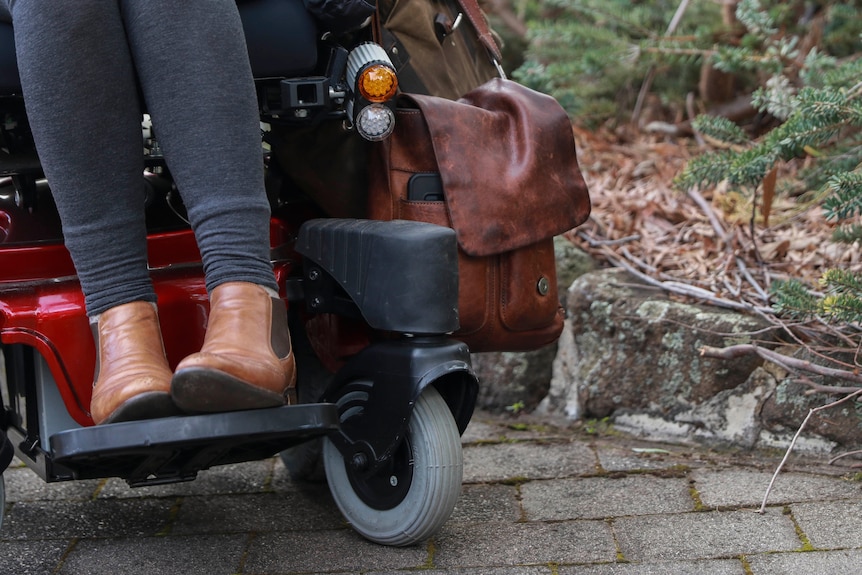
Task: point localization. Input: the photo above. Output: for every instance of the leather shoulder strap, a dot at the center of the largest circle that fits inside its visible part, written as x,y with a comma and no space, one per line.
477,18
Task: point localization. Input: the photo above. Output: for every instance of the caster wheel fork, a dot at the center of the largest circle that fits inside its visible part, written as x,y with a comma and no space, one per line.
410,498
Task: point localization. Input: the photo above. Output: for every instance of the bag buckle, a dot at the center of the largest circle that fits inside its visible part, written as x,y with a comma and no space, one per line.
443,25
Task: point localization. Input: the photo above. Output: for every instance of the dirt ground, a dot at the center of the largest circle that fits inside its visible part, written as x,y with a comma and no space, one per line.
700,238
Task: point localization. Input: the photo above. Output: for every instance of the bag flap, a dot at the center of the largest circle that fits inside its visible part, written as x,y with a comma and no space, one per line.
506,156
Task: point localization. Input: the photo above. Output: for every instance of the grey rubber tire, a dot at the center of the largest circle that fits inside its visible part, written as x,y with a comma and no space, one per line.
438,468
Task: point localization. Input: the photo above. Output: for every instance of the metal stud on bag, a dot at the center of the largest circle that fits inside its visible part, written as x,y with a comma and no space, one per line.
543,286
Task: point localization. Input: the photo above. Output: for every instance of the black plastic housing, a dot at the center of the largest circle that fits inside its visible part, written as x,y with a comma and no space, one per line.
401,276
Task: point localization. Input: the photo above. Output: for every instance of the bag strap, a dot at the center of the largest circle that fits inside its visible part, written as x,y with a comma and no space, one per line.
477,18
388,40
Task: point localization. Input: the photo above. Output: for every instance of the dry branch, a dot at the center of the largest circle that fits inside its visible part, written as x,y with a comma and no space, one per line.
735,351
793,442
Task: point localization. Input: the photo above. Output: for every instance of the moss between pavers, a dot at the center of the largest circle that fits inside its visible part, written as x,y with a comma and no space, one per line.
695,496
98,489
620,556
677,471
806,543
429,561
66,553
515,481
172,516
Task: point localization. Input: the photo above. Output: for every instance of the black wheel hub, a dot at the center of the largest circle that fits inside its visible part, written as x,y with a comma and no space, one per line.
388,485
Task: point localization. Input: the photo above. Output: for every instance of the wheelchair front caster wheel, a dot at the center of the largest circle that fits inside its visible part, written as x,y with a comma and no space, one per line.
411,498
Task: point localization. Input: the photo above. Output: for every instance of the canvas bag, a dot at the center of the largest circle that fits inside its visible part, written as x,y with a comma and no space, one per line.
507,164
440,47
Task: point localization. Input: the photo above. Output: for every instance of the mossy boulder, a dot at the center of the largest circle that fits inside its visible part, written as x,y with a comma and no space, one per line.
629,347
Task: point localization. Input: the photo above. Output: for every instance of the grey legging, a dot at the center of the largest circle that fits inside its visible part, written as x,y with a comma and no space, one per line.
81,62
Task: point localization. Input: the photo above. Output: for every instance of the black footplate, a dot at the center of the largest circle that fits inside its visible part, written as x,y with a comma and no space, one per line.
174,449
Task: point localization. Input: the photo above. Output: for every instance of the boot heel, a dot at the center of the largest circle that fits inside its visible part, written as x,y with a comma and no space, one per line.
246,361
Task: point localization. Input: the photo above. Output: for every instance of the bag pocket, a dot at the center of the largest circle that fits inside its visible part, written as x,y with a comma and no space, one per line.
507,301
528,282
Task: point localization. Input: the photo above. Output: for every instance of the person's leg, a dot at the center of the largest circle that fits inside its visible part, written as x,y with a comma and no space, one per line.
194,72
79,89
196,79
82,104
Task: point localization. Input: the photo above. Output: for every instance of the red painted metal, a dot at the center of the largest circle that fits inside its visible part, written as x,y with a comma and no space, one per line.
41,305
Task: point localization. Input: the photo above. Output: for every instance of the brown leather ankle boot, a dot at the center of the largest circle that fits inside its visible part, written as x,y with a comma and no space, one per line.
246,361
132,379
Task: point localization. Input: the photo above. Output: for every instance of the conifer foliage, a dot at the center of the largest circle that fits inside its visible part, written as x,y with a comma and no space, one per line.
816,99
593,55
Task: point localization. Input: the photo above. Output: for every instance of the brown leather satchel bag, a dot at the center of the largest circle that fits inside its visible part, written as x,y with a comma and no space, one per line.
499,167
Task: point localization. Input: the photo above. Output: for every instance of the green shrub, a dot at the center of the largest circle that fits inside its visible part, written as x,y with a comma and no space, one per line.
816,98
593,55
